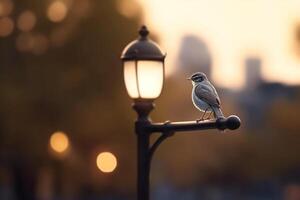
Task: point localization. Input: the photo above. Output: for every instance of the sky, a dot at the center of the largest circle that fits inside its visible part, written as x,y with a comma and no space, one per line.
233,30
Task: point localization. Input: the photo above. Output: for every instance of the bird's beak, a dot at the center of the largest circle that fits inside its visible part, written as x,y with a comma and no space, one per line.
188,79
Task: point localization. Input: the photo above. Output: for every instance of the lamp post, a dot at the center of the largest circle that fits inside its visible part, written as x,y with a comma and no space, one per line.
143,63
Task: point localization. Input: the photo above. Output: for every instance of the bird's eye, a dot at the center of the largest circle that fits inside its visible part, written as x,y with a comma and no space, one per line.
198,79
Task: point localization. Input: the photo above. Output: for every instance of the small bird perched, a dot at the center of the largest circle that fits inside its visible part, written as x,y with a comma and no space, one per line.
204,96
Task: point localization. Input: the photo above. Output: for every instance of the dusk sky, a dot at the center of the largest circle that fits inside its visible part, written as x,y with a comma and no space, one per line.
233,30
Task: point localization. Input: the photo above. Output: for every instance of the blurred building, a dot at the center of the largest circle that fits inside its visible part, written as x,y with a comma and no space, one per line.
194,56
253,73
259,95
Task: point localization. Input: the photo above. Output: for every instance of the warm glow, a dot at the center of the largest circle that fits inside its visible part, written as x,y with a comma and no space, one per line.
57,11
128,10
6,26
150,78
26,21
233,31
36,43
40,44
6,7
24,42
106,162
81,8
59,142
58,36
130,79
146,82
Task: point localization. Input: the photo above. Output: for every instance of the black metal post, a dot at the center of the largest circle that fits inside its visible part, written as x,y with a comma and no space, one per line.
143,108
143,166
144,128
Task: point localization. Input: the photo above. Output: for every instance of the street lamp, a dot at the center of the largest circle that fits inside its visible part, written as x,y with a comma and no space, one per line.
143,68
143,64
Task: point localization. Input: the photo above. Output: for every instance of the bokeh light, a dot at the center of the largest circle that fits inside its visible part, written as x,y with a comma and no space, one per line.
58,36
36,43
26,21
59,142
6,7
57,11
40,44
106,162
24,42
6,26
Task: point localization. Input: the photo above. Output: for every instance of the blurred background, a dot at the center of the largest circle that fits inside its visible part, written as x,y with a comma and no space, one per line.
66,123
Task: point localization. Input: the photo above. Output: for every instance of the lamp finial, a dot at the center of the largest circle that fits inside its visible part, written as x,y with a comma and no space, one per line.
144,32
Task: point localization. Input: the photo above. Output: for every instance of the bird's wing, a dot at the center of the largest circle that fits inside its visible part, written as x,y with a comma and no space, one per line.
215,92
207,94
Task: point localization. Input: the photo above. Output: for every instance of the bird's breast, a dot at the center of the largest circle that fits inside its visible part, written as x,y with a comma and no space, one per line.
200,104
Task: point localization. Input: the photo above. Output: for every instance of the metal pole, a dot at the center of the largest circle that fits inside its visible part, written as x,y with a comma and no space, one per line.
143,162
143,166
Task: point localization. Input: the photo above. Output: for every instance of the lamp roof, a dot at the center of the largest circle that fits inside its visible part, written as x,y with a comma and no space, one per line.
143,48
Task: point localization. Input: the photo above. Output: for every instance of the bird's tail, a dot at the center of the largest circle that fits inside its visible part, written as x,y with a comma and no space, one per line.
217,112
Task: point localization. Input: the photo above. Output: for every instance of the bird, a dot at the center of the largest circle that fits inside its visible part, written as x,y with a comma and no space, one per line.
204,96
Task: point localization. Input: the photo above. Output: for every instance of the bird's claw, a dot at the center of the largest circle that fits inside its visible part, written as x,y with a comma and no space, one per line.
199,120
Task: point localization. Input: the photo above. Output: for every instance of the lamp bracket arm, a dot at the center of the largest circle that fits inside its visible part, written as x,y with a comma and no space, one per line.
162,137
232,122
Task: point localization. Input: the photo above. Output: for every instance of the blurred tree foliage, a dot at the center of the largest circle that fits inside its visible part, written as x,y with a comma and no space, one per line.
76,87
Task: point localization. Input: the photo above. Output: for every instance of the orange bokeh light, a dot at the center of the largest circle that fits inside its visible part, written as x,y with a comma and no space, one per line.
6,7
106,162
57,11
26,21
6,26
59,142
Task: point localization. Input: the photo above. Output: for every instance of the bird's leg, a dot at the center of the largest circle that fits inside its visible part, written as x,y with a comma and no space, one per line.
209,115
202,117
